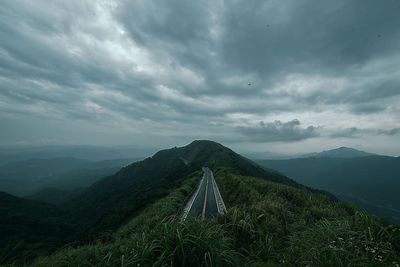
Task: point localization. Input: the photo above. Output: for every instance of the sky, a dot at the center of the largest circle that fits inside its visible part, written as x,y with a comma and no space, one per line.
282,76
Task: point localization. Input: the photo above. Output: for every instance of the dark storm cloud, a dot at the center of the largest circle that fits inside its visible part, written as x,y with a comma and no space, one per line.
153,64
177,27
367,109
271,36
382,88
173,21
279,131
269,39
393,131
352,132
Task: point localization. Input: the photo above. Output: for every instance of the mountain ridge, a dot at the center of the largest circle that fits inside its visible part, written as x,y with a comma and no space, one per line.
340,152
157,174
372,178
267,224
140,206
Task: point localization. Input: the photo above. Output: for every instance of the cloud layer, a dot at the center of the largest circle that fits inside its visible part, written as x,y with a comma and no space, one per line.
132,71
279,131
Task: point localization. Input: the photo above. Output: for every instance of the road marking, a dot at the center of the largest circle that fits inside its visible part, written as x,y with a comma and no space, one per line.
205,201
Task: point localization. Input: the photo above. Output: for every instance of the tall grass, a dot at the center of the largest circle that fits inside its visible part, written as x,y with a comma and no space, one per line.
275,224
357,242
267,224
192,243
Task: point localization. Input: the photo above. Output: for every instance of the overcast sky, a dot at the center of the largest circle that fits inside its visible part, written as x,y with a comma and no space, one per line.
286,76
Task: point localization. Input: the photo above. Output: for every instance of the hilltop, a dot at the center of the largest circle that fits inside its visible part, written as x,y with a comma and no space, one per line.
111,201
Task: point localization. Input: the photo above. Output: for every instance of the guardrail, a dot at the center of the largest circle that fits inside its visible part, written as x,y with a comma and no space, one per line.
191,200
220,202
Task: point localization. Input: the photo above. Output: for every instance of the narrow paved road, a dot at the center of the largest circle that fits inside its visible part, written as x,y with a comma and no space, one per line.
206,201
211,205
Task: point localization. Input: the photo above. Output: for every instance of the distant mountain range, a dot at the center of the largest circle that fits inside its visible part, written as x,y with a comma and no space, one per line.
26,177
341,152
367,180
9,154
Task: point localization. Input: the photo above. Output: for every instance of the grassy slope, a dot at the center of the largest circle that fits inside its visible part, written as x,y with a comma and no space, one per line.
370,182
267,224
29,228
113,201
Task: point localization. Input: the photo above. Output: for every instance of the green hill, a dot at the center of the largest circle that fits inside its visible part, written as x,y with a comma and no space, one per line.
29,228
370,182
55,195
267,224
133,219
108,203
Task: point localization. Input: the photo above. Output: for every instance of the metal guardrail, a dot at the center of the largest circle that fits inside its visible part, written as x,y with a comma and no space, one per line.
191,200
220,202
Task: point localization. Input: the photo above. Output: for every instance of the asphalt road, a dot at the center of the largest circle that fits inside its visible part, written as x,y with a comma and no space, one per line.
211,206
197,205
204,203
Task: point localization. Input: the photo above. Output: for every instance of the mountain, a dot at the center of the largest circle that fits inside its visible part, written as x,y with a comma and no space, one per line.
371,182
9,154
54,195
341,152
29,229
24,178
266,155
133,218
112,200
270,221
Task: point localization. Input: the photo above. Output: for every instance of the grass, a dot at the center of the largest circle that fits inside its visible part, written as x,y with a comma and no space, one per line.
267,224
361,241
192,243
277,224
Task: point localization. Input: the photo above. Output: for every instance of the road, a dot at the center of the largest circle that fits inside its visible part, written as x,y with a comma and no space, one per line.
206,202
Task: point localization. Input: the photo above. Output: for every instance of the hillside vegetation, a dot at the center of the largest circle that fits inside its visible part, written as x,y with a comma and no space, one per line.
111,202
267,224
29,229
370,182
132,218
